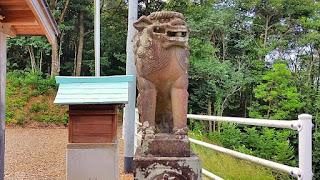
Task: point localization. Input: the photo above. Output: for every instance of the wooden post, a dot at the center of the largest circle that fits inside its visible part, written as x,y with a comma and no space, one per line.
130,107
3,61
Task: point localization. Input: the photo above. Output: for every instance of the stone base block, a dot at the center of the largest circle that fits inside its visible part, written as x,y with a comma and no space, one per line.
165,145
161,168
92,161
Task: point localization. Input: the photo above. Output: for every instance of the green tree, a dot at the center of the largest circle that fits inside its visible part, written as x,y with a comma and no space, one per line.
29,52
276,96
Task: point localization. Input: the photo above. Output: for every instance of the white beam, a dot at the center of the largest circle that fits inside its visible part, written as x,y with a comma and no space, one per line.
97,36
209,174
3,61
130,107
291,124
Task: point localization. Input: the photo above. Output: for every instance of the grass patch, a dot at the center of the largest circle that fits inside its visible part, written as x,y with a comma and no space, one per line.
30,97
226,166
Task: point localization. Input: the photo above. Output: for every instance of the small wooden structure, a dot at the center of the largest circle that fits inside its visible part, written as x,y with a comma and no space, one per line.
20,17
93,110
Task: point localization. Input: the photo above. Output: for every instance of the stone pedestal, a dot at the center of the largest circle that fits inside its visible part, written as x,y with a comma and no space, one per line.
92,161
165,145
165,168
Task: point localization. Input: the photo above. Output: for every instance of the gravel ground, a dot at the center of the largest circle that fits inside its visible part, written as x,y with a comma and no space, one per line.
40,154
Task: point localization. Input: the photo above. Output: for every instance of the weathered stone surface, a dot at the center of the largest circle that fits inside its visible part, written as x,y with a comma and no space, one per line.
167,146
161,55
165,168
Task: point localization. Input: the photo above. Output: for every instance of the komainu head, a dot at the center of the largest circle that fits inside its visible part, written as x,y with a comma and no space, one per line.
161,37
167,27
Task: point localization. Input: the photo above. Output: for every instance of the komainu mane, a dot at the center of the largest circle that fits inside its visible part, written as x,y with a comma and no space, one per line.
162,53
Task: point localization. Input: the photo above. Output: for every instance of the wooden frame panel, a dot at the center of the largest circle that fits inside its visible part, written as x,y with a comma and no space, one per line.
93,123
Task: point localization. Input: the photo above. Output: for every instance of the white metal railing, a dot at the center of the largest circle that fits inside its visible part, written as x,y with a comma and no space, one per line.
137,132
303,125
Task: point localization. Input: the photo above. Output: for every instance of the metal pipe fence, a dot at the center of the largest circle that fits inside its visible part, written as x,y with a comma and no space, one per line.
303,125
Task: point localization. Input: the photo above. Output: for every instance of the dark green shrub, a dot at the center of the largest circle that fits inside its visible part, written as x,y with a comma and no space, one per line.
316,155
36,107
20,120
25,90
263,142
65,119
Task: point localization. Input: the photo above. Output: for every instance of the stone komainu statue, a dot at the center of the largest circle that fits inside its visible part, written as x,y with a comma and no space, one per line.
161,56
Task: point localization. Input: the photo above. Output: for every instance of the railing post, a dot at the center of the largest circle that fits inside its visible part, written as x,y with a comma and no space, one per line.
305,146
123,122
136,130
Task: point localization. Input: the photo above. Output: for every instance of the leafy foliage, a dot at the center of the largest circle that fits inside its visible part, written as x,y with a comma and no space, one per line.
248,59
27,98
277,97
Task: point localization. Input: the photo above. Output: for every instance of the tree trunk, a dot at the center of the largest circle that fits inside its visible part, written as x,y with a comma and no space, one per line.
214,122
316,121
52,4
224,48
310,68
218,107
63,13
269,109
40,63
266,35
54,54
317,85
266,32
80,45
55,66
56,50
245,102
209,113
32,58
60,49
75,59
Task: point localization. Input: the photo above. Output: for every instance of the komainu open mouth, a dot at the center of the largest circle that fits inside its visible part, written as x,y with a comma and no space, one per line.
170,33
176,34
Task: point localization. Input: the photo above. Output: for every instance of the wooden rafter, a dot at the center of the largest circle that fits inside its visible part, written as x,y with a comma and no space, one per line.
27,17
8,30
28,30
24,17
1,16
11,2
15,7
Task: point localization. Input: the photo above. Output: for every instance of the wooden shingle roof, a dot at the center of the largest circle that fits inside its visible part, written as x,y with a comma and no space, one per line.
92,90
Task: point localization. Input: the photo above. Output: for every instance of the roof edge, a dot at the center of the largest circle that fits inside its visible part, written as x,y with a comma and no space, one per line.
49,14
90,79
